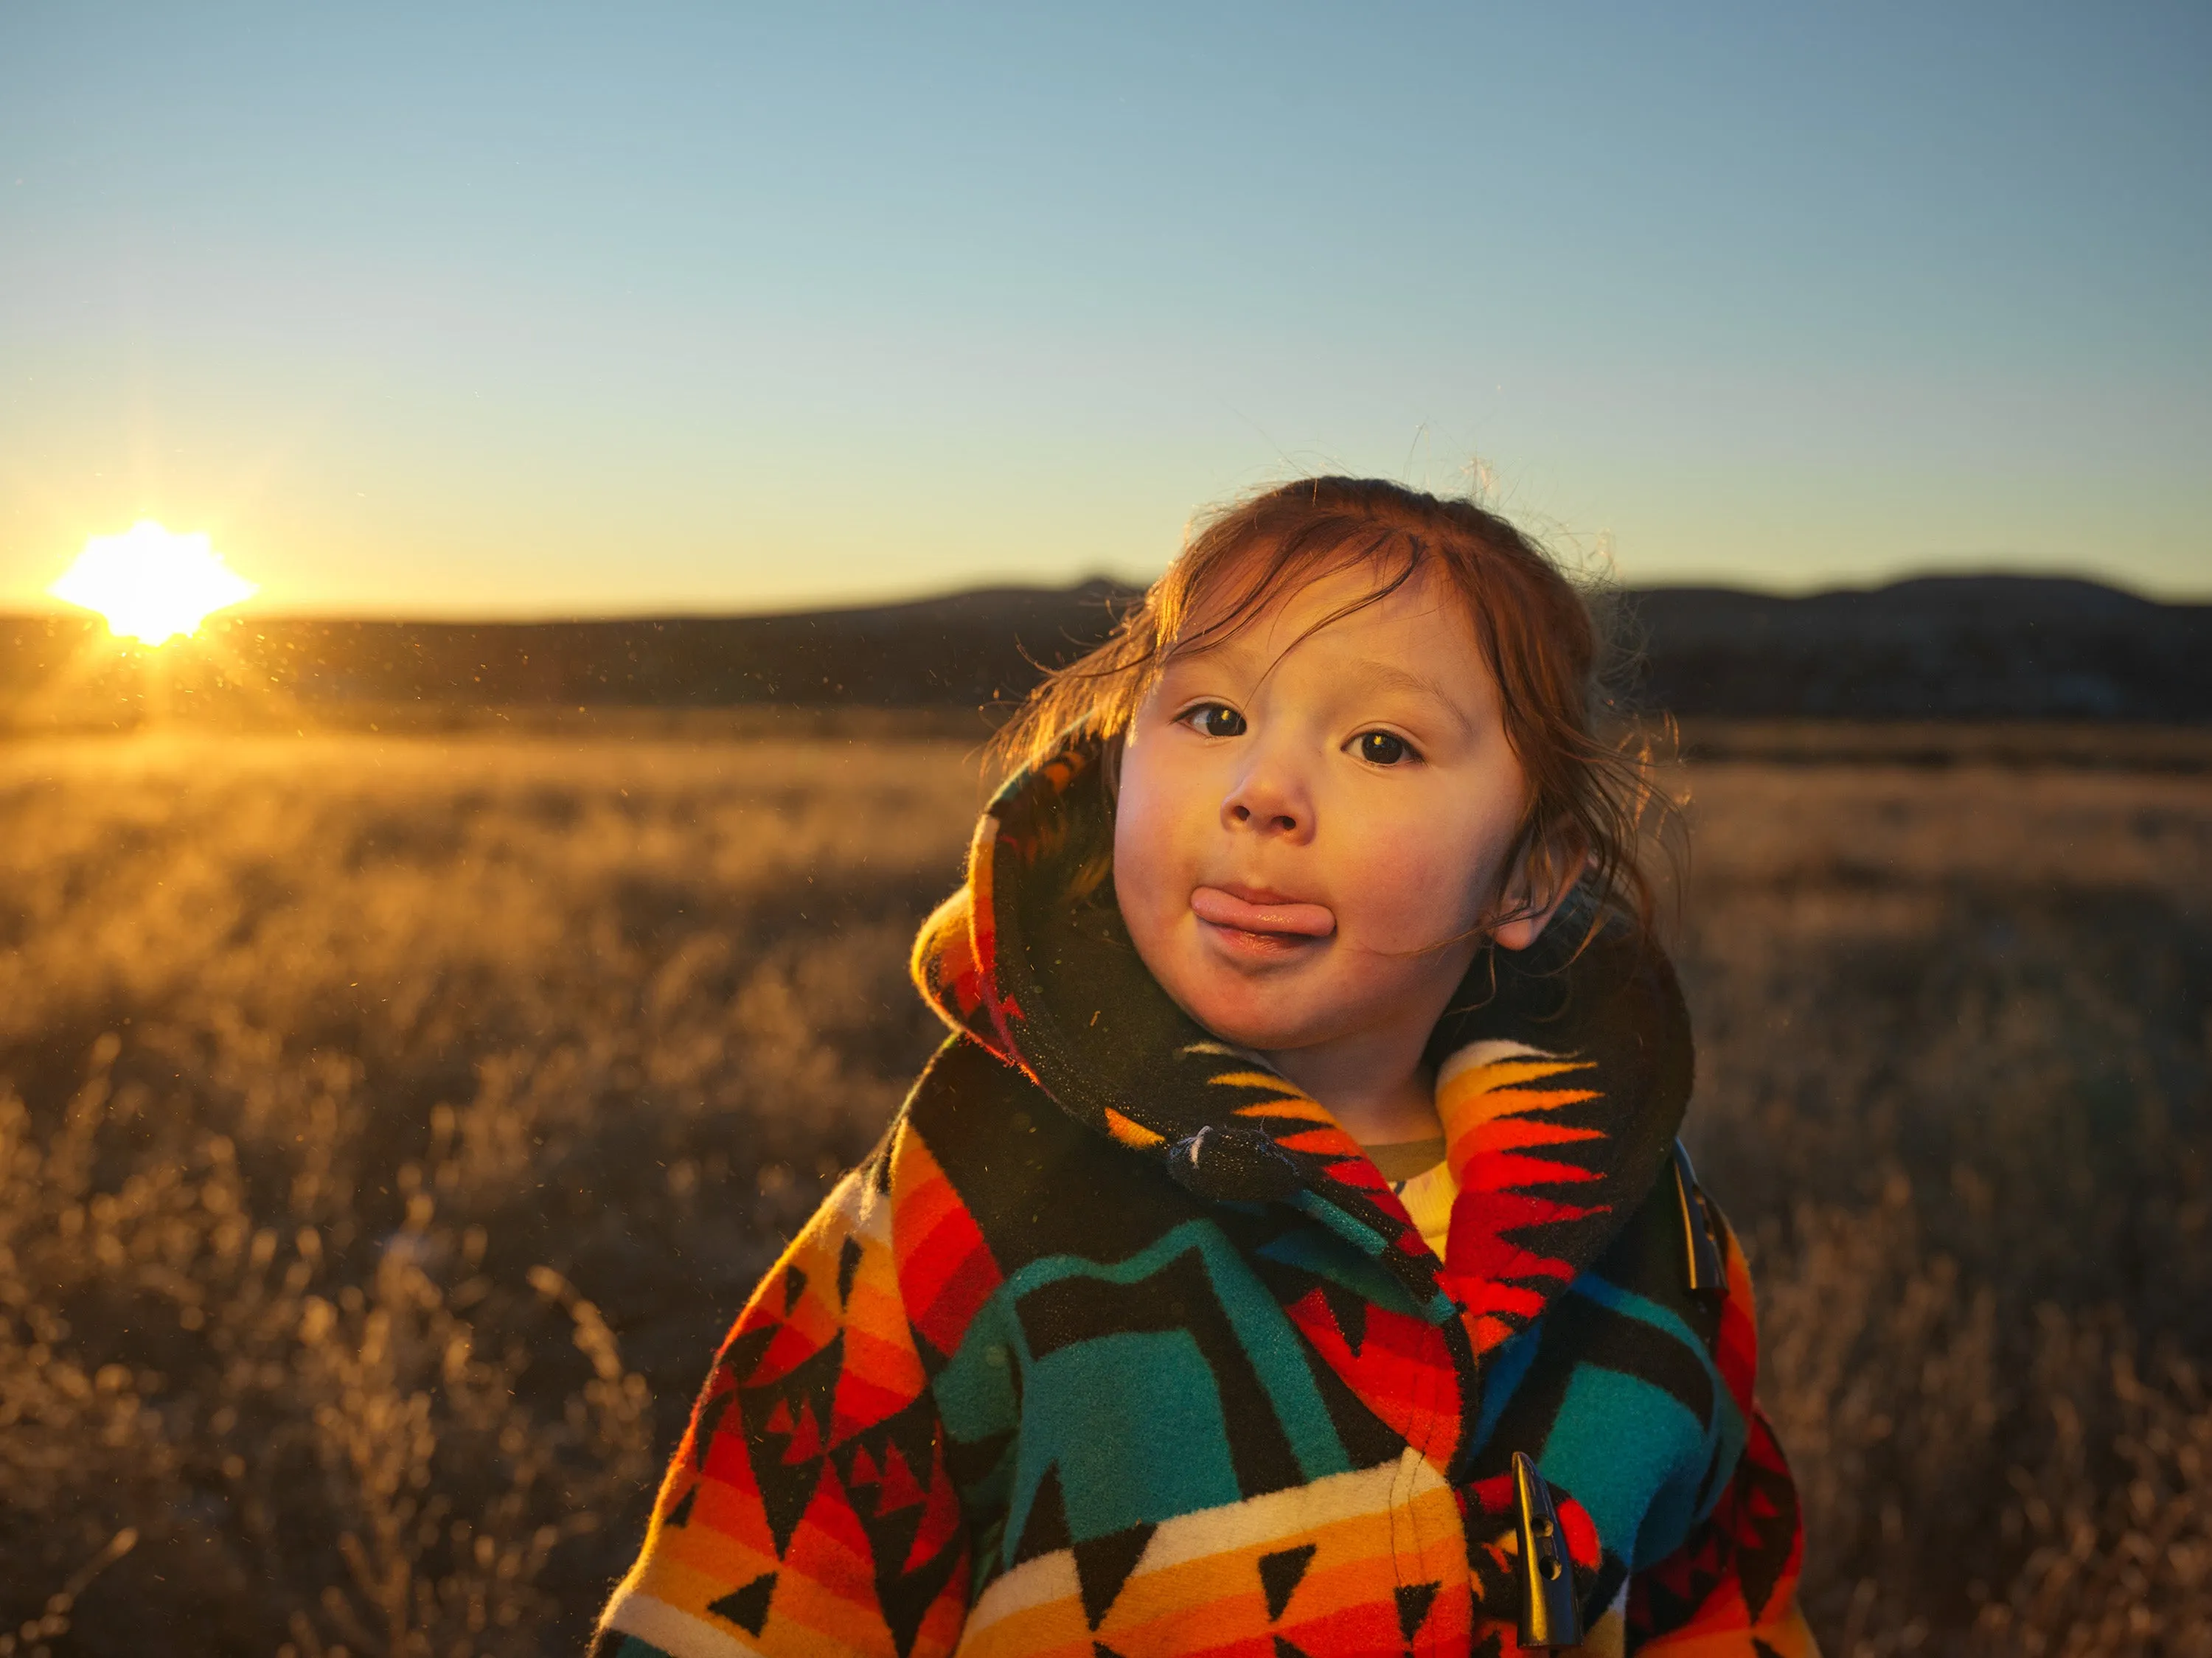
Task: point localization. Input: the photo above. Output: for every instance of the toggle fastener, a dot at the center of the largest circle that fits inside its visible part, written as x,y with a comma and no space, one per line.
1549,1614
1706,1272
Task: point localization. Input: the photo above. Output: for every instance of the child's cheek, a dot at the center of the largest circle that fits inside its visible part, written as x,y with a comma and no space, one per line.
1144,856
1409,880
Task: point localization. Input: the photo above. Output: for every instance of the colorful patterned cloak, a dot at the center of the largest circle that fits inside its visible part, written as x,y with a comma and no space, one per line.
1119,1346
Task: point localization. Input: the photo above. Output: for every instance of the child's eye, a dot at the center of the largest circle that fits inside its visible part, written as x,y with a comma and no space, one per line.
1215,719
1384,748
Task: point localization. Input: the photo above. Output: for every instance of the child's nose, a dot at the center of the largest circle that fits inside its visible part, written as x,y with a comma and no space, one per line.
1263,802
1239,812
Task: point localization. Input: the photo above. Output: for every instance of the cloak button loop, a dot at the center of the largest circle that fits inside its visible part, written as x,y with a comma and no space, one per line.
1236,1165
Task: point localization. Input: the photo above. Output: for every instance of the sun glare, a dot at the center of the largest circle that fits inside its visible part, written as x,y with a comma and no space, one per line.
150,583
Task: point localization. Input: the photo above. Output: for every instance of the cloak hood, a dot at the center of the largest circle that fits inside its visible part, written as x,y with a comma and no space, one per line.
1562,1074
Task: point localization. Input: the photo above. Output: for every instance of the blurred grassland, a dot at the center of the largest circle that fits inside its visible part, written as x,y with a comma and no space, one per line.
390,1127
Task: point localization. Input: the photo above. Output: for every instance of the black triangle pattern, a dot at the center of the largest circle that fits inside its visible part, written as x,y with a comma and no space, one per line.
1046,1528
849,1263
1284,1649
907,1597
806,1391
1414,1600
1100,1649
1367,1439
1279,1574
1102,1564
742,1354
1763,1555
680,1515
889,1531
794,1285
747,1607
911,1433
710,1419
1349,1308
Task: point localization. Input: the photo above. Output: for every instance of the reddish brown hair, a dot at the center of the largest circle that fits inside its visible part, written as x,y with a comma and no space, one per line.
1590,779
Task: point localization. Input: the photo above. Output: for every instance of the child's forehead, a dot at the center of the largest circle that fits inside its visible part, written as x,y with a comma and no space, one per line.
1263,601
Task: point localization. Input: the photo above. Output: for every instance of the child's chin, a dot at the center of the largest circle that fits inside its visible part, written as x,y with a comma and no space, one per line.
1239,1022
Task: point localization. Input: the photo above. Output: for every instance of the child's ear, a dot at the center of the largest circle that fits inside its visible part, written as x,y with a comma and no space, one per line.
1542,875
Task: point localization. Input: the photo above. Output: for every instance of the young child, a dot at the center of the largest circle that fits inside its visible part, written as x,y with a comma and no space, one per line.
1289,1252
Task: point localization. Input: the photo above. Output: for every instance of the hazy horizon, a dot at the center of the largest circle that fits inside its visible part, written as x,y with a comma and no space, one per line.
254,610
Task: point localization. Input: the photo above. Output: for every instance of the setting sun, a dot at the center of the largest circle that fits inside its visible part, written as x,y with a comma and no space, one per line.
150,583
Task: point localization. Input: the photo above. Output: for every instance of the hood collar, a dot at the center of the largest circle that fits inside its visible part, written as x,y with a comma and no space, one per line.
1562,1076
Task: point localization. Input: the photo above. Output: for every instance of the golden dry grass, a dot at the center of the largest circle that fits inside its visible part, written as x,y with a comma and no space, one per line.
1952,1052
388,1128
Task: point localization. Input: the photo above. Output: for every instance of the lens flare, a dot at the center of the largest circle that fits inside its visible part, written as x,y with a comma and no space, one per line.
150,583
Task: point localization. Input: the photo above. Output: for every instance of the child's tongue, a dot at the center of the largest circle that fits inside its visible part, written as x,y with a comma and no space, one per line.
1227,909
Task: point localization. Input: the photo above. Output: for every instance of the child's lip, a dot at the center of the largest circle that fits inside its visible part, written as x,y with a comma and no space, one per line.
1250,910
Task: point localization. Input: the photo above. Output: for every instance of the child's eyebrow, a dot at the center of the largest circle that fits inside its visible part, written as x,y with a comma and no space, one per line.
1372,675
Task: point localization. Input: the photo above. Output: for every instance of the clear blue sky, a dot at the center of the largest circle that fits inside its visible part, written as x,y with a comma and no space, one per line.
493,309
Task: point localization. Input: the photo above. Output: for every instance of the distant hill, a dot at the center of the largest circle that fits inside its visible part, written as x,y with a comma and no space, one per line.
1941,648
1980,648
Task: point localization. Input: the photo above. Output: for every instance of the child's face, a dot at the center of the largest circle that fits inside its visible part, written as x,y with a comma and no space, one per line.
1307,832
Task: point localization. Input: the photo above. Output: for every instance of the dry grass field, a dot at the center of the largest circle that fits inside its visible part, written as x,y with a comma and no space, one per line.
390,1126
